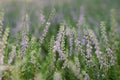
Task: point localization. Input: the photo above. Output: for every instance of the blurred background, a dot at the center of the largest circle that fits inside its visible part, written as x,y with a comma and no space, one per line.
69,11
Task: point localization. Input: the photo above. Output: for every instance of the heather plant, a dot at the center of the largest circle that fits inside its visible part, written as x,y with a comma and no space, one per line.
64,51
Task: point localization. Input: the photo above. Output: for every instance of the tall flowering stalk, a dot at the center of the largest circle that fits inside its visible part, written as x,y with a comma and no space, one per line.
100,56
45,32
89,59
113,35
103,32
47,25
25,39
69,33
52,56
3,42
57,46
89,49
110,54
78,46
103,65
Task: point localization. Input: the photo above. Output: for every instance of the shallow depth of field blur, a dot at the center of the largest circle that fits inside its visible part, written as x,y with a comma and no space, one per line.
59,40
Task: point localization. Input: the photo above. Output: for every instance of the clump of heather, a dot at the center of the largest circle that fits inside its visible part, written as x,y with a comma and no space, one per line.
66,51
